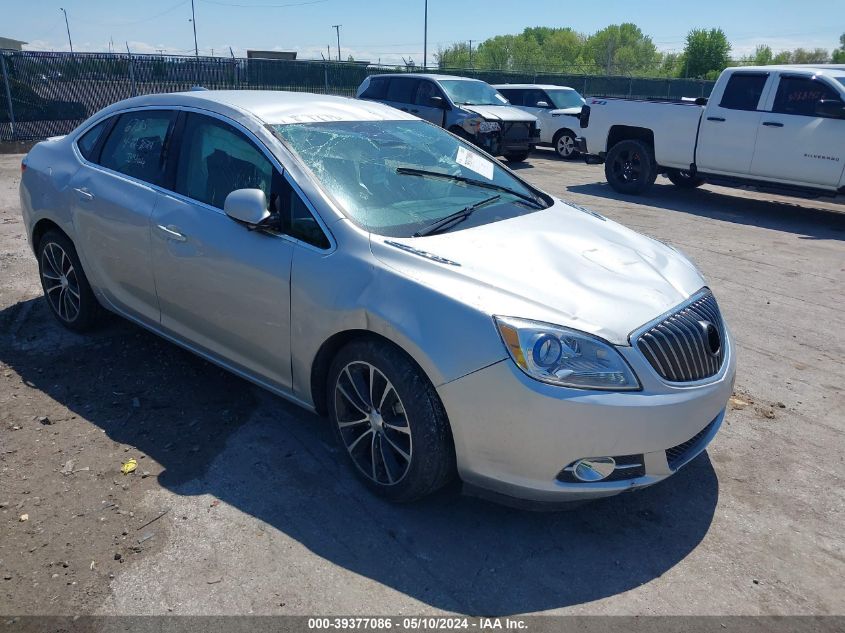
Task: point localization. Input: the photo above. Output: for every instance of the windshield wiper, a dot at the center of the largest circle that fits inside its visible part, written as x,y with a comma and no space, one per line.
454,218
425,173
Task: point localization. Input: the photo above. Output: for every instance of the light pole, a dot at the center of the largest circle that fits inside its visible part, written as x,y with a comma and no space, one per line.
425,36
336,27
67,26
194,22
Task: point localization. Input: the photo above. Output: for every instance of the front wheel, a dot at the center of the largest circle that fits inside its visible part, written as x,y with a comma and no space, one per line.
630,167
564,144
684,179
389,420
65,285
516,157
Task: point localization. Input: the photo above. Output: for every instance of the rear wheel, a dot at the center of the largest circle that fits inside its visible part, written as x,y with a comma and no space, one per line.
516,157
630,167
65,286
684,179
564,144
388,418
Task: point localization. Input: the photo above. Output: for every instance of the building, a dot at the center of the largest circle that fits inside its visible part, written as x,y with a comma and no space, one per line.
9,43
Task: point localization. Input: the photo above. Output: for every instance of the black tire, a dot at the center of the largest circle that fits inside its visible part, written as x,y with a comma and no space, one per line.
563,148
65,285
412,406
684,179
516,157
630,167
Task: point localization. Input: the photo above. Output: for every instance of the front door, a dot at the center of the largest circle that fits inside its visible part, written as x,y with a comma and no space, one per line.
795,144
223,287
112,202
425,91
728,129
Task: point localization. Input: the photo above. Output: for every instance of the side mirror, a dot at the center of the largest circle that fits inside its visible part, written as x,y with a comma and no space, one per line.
542,104
437,102
247,205
831,108
584,117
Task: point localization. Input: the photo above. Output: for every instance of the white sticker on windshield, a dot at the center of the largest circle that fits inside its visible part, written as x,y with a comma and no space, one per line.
476,163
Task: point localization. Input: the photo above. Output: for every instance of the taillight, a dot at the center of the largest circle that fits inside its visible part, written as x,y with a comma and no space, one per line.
23,166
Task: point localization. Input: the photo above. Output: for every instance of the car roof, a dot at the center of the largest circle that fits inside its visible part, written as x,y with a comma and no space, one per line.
433,76
272,106
831,70
540,86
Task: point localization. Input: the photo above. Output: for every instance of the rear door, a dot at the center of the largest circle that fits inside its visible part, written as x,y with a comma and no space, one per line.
794,143
113,196
728,130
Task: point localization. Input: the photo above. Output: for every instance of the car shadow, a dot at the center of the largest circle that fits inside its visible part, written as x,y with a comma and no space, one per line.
216,434
808,222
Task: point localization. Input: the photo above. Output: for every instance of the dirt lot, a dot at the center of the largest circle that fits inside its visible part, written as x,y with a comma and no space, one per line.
241,504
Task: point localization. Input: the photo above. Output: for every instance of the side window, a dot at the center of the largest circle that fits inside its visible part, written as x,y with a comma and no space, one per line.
215,159
88,141
297,220
513,95
377,89
134,146
743,91
800,95
402,89
426,91
533,97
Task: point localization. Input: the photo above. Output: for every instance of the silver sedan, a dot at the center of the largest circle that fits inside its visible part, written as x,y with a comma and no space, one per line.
448,317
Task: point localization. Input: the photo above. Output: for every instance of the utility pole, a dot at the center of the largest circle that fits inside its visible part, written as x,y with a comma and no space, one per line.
194,22
470,53
67,26
425,36
336,27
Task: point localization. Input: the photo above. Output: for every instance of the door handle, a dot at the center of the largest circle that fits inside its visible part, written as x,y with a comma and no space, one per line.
718,119
772,124
172,232
83,193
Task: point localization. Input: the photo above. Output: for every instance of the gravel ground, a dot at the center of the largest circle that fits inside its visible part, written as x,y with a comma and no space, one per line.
241,504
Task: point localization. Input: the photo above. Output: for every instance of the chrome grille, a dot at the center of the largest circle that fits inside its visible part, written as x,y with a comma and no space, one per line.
681,346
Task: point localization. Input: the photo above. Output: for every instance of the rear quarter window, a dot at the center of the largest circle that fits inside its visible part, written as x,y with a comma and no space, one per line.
377,89
87,143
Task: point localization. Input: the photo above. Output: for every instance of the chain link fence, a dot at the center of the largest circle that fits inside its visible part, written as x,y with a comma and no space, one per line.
50,93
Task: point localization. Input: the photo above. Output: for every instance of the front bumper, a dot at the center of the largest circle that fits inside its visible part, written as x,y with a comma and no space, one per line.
590,159
514,436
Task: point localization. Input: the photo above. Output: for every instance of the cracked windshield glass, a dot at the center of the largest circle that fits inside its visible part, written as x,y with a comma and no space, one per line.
372,171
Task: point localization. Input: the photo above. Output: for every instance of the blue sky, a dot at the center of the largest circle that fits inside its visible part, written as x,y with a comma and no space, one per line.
390,29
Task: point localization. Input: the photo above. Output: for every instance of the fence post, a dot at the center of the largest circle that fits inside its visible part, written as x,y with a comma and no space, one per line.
234,68
630,86
131,71
326,76
8,95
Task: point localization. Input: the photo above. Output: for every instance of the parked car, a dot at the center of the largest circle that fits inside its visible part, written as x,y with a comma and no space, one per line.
445,314
469,108
557,108
776,128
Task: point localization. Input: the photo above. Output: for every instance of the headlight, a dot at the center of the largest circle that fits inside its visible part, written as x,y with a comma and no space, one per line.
565,357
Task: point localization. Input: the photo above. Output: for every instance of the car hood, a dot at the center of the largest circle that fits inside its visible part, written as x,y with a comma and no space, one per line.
500,113
560,265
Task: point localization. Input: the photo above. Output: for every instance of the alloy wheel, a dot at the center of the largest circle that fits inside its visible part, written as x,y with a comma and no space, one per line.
61,285
627,166
373,423
565,146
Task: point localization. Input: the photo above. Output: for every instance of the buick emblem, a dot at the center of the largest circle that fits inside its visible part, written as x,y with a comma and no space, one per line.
712,338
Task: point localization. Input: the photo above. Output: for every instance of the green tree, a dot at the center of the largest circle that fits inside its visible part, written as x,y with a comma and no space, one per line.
622,49
815,56
706,52
838,56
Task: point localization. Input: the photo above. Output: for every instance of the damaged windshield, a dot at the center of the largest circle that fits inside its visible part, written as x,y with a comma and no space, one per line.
395,177
471,92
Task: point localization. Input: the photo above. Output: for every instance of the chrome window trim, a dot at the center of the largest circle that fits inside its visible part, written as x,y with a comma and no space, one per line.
262,147
633,339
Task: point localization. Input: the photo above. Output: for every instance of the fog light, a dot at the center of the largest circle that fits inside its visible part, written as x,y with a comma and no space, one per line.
594,468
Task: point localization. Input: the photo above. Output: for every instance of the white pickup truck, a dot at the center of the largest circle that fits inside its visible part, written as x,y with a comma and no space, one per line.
775,128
